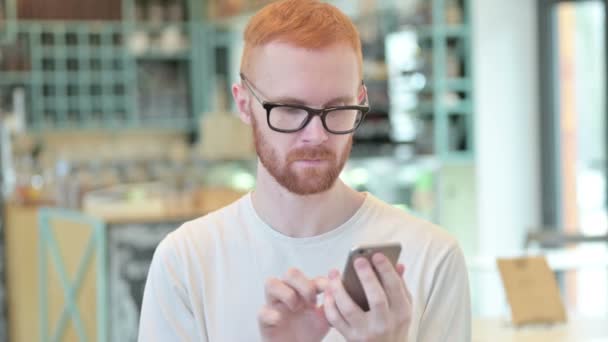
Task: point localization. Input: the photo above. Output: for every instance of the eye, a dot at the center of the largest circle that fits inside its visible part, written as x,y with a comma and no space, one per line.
291,110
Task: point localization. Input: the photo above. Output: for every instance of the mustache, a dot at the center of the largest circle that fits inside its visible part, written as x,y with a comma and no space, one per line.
315,153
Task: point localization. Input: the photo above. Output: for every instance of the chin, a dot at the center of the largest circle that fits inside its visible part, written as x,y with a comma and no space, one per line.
309,191
310,185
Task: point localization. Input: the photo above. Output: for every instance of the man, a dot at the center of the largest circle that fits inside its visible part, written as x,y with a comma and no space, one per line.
267,266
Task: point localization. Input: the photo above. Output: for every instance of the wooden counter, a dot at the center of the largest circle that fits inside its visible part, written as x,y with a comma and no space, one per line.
576,330
131,241
22,275
169,210
21,241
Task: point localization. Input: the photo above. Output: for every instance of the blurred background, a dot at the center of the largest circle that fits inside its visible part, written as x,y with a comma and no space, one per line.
117,124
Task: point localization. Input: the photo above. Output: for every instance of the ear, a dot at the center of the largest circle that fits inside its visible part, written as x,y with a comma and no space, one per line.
242,102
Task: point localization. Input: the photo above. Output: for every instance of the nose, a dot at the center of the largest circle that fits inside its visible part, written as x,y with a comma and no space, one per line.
314,133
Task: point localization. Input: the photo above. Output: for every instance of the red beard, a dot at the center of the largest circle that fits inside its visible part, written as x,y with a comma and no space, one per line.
301,181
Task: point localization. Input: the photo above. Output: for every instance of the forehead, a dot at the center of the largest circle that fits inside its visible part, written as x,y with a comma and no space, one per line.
317,74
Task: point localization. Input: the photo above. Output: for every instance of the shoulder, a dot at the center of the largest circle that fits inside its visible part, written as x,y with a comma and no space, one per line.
415,234
202,234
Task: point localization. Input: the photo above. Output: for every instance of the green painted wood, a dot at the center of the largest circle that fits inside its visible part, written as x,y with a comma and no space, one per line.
8,31
48,248
440,84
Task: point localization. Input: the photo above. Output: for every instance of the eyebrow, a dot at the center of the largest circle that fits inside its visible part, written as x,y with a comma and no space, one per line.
296,101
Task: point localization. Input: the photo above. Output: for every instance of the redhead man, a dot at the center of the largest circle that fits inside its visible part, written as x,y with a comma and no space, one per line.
267,267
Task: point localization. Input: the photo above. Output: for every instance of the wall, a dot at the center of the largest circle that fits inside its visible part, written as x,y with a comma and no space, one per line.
458,204
506,133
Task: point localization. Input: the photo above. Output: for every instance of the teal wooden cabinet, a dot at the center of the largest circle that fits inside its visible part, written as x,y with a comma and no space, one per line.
144,71
8,16
446,102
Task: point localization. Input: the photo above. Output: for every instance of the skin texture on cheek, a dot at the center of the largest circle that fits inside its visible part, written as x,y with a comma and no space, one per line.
307,181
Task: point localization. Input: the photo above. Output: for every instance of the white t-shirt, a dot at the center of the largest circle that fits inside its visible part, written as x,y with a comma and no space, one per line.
206,281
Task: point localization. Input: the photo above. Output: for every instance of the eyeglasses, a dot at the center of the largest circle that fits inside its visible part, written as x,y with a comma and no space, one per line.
290,118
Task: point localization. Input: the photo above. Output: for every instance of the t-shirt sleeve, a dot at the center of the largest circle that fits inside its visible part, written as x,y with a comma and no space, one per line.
447,316
166,313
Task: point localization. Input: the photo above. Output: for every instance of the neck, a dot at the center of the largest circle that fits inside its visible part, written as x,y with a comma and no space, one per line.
303,215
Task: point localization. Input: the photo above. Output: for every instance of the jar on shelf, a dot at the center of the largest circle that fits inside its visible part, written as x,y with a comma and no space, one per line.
453,13
175,12
155,12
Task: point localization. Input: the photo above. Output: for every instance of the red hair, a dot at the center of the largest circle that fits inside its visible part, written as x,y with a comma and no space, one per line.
307,24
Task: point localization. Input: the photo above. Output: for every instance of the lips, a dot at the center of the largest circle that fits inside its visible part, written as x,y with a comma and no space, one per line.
310,161
303,156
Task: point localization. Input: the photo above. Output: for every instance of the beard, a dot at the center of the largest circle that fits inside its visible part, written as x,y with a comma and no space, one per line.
302,181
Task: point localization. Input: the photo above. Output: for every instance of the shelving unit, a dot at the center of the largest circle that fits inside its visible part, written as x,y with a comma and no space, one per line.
431,80
79,75
446,100
8,15
162,46
144,71
164,70
91,75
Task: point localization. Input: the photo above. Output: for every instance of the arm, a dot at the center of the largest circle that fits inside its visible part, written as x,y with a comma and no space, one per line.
447,315
166,314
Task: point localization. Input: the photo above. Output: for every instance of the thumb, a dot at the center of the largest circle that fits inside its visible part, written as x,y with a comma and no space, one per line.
400,269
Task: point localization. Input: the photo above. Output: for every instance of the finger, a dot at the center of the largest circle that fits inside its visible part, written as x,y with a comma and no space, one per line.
389,278
407,292
400,269
351,312
277,292
306,288
332,314
394,286
321,284
374,292
269,317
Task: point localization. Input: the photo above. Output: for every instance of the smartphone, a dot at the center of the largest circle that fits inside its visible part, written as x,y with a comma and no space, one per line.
351,281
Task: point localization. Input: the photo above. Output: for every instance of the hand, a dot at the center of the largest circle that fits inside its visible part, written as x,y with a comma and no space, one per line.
291,312
390,303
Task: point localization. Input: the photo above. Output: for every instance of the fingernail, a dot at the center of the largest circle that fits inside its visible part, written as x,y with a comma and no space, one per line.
333,274
379,258
360,263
